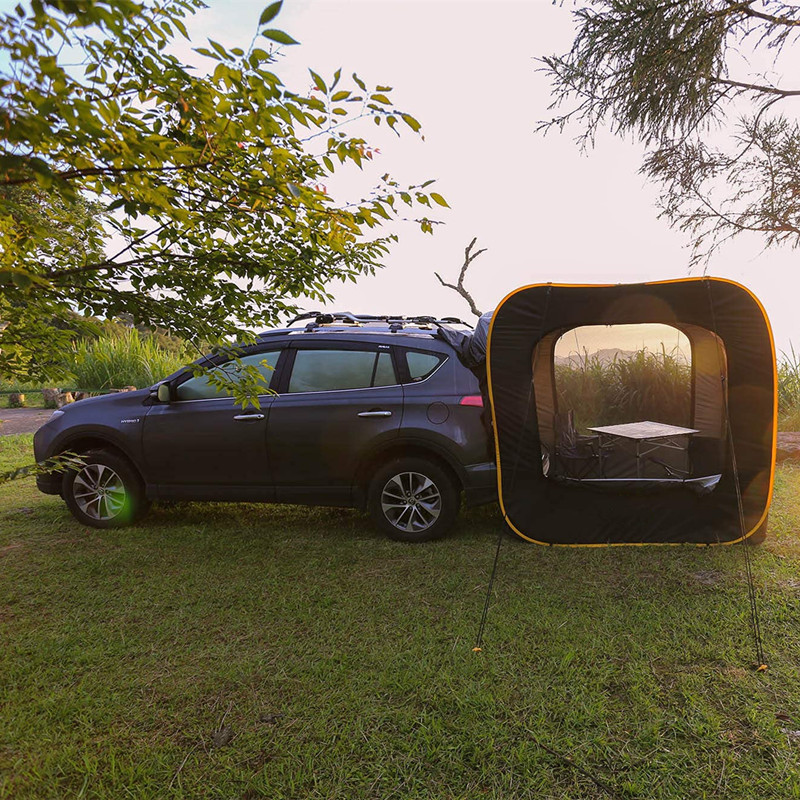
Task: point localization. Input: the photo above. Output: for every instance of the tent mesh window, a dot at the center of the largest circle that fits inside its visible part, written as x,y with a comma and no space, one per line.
607,376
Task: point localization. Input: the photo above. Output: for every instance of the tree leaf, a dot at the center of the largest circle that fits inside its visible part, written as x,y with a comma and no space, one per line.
437,198
279,36
411,122
219,48
270,12
318,82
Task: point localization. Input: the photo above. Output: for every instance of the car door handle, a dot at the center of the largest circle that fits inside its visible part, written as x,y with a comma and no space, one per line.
374,413
241,417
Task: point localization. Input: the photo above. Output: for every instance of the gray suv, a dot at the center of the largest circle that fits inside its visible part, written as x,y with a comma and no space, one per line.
370,412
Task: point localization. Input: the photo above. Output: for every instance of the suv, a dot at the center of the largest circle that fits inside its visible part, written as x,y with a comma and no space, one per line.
368,412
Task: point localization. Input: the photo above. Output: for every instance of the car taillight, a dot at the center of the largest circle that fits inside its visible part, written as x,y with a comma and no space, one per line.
471,400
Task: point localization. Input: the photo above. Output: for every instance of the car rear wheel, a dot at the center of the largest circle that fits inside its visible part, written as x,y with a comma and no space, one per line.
413,500
106,492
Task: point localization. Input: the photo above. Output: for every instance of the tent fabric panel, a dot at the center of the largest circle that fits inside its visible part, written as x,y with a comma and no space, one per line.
709,376
542,510
568,515
742,324
544,388
709,382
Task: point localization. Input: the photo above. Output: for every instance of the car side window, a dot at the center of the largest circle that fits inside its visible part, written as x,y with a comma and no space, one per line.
199,388
420,365
384,371
332,370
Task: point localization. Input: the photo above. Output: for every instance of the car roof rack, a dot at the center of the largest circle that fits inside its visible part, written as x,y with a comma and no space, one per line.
394,322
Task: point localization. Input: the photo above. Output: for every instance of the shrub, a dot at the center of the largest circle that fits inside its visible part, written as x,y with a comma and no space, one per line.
124,359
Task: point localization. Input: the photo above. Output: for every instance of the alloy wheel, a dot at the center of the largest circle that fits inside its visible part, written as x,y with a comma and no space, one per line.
99,492
411,501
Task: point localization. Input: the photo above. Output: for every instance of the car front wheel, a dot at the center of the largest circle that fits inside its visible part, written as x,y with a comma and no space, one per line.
106,492
413,500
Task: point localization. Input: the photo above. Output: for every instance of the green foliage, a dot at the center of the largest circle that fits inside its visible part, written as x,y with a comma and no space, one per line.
647,386
667,73
789,391
60,463
56,230
212,180
125,359
17,386
652,386
243,381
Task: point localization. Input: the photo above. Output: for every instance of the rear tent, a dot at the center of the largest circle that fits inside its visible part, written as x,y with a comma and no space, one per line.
722,495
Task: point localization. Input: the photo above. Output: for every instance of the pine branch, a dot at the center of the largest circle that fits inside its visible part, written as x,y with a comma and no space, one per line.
756,87
744,8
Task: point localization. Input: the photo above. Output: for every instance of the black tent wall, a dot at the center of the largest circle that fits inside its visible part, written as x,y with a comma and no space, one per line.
548,512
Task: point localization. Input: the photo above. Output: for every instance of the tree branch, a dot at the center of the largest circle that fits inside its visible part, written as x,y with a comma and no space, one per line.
469,257
100,171
756,87
744,8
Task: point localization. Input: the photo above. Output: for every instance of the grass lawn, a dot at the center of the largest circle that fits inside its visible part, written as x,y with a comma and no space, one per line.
32,400
243,651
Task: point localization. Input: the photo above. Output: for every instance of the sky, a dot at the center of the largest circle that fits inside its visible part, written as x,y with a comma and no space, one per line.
544,210
590,339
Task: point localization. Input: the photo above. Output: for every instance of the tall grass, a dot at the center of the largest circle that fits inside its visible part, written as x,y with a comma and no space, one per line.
125,359
646,386
789,391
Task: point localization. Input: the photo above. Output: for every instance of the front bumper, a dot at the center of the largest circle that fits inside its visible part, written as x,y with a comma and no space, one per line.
46,482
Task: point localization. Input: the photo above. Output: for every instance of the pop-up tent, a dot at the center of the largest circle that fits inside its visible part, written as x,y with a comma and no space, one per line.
722,495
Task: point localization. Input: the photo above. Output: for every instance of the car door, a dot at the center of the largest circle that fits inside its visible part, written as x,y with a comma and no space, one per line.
336,401
201,445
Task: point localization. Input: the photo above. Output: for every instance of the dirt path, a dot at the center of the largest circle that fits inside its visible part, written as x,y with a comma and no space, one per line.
22,420
789,446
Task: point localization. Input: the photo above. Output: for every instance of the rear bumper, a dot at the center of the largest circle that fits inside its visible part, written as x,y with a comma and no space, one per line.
49,483
480,483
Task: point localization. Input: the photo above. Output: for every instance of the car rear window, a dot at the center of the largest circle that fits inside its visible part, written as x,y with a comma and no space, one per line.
332,370
421,365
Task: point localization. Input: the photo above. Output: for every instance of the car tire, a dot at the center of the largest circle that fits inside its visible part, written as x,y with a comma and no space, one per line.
107,492
413,500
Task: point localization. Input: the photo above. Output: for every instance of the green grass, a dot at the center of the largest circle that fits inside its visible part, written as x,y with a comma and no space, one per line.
124,651
33,394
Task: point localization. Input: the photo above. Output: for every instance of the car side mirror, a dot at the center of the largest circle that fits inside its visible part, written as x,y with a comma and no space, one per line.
163,393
